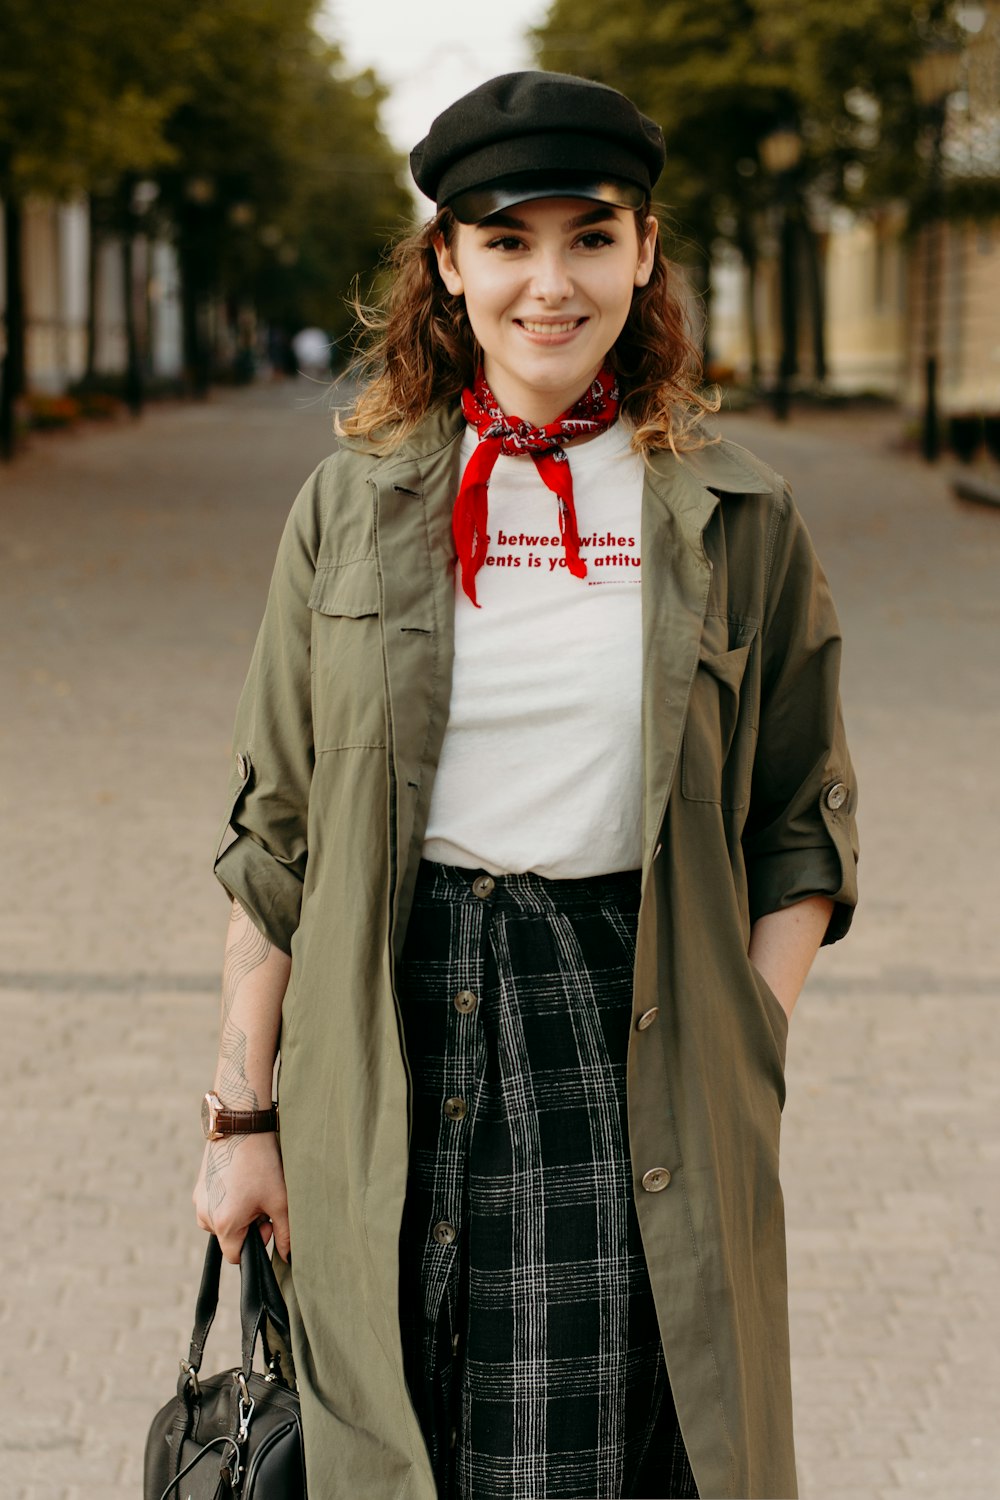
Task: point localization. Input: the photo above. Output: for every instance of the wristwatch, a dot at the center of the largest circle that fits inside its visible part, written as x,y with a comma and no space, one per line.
218,1121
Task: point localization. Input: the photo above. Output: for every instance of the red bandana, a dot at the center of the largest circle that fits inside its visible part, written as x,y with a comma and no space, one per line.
596,409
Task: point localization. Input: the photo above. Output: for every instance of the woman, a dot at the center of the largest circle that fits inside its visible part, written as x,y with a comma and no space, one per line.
532,856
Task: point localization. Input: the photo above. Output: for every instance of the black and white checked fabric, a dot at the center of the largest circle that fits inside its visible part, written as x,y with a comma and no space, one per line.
529,1332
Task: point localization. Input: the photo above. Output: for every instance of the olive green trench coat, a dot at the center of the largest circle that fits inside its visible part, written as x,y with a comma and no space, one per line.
748,807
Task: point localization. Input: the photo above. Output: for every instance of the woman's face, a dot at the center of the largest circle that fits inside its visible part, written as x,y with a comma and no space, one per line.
548,286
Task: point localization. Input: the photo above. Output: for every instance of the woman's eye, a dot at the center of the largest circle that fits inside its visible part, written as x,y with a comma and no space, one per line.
595,239
504,242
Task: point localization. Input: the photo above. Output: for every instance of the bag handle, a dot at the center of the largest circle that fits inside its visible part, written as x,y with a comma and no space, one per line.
260,1299
208,1301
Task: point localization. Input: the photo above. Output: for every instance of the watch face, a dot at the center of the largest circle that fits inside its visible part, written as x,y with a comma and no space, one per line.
210,1105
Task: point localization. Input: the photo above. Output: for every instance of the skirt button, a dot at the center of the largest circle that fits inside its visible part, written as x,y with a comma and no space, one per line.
483,886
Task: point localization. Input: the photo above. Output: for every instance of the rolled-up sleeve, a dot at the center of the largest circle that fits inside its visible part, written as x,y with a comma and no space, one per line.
262,851
800,839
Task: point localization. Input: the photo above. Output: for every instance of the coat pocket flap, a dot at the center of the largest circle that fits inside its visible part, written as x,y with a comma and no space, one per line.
349,589
727,666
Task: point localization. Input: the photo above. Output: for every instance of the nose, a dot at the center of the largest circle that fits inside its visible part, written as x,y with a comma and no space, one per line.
551,281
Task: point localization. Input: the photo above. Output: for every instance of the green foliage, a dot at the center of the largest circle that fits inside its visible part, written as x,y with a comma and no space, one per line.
720,78
298,184
271,168
80,95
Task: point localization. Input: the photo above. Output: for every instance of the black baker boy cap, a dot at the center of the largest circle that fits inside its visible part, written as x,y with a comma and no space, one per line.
537,135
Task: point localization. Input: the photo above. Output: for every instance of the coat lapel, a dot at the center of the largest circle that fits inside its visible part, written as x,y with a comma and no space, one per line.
415,554
675,583
679,498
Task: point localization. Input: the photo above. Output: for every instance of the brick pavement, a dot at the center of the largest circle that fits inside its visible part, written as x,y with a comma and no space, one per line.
135,561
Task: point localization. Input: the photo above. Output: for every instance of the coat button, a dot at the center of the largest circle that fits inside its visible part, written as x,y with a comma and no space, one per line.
656,1179
483,886
455,1109
444,1232
648,1017
466,1002
836,796
242,766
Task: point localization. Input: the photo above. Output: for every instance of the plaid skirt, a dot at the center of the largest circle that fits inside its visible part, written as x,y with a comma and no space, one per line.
530,1339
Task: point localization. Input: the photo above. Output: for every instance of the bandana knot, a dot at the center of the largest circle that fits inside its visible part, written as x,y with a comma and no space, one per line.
596,410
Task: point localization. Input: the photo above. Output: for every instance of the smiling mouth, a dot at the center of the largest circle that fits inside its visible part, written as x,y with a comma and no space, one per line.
565,325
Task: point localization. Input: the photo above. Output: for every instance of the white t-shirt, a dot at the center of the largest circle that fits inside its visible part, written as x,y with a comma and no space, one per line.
541,764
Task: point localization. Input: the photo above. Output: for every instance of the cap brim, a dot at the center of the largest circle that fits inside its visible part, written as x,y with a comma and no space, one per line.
490,198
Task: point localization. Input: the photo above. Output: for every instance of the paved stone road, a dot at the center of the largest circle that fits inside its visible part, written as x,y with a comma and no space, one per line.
135,561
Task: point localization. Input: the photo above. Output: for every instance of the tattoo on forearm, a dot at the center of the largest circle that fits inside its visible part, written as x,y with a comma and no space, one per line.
234,1089
247,951
220,1154
245,954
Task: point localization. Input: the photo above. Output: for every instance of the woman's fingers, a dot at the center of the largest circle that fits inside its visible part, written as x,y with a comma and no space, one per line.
282,1242
232,1243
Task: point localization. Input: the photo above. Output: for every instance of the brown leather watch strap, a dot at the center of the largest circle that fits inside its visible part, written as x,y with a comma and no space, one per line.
218,1121
246,1121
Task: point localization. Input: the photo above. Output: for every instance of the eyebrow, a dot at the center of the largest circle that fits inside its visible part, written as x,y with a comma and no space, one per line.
599,215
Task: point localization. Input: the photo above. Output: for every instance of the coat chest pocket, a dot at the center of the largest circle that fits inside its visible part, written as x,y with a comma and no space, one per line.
348,692
721,730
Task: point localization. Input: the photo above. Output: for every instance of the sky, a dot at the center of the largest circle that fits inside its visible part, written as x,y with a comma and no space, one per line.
431,51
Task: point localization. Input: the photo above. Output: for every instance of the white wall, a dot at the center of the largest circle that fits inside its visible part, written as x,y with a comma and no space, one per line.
166,346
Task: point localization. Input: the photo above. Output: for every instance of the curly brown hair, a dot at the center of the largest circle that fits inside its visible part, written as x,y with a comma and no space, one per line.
418,351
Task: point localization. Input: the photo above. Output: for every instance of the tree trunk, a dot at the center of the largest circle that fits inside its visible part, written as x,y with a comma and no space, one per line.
189,313
817,301
704,290
12,368
747,245
753,336
133,370
193,283
788,360
789,296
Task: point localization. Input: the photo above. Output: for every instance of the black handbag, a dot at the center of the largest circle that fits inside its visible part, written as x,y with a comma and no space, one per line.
238,1435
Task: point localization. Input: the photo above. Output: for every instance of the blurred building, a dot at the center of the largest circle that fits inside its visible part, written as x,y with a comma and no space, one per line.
865,272
882,284
59,271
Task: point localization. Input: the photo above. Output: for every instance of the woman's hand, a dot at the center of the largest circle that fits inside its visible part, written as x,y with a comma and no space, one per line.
241,1181
241,1178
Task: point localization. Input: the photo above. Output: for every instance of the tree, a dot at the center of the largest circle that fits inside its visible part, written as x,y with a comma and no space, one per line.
702,73
70,113
285,186
347,199
272,173
723,77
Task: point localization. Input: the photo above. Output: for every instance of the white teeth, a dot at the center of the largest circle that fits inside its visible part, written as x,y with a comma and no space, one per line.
549,327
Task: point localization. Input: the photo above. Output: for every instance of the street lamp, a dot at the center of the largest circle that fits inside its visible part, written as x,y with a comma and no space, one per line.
935,75
781,152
